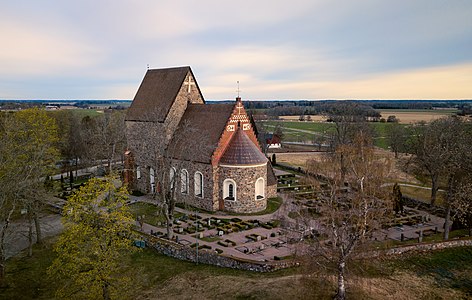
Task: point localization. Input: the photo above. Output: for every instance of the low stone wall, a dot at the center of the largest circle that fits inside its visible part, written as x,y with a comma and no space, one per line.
421,248
178,251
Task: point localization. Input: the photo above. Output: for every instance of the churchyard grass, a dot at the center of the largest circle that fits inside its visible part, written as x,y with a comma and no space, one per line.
150,213
423,195
439,275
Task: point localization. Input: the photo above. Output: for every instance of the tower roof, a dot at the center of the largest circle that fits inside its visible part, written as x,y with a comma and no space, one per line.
242,151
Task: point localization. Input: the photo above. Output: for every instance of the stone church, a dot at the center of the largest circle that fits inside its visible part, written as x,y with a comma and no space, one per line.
215,161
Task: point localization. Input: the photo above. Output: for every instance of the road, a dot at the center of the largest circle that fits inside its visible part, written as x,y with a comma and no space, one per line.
17,235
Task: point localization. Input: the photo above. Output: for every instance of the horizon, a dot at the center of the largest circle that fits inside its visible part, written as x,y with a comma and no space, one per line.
306,50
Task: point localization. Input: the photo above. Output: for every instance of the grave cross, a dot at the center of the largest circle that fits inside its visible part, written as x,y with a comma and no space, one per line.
189,83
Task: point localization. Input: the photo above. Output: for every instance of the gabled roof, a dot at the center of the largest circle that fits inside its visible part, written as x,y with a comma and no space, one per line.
242,151
199,131
156,94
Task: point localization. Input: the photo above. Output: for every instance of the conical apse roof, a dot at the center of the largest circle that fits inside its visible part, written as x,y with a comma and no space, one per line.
242,151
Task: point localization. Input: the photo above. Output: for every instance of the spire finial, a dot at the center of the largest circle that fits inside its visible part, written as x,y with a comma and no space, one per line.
238,90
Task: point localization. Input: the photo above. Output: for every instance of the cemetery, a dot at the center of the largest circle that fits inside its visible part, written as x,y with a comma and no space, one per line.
273,236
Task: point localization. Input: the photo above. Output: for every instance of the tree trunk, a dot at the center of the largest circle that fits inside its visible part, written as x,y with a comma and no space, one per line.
434,188
447,222
39,235
341,293
110,160
30,235
169,221
3,261
105,291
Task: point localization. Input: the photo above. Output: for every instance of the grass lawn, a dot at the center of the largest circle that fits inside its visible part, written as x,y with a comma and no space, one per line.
445,274
149,211
423,195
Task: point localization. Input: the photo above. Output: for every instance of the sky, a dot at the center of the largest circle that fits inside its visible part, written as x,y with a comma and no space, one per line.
298,49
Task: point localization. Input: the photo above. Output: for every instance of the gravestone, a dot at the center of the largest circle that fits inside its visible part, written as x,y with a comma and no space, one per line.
220,233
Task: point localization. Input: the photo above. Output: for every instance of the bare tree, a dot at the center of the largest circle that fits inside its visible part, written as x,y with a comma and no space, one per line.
435,148
396,136
348,119
349,213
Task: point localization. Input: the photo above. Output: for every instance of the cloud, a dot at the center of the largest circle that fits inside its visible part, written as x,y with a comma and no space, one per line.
29,50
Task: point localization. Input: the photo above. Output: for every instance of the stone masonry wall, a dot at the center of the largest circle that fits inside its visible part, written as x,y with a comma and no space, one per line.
180,105
211,258
190,198
272,191
245,179
145,138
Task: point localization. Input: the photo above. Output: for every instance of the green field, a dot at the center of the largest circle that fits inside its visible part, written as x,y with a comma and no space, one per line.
312,131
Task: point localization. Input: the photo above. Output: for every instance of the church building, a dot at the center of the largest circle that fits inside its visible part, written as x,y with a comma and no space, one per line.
214,159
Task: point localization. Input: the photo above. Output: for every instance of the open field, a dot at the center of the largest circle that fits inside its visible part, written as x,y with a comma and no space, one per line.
295,131
409,116
442,274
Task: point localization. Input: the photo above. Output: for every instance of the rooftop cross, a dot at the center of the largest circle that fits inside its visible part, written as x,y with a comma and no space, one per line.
239,106
189,83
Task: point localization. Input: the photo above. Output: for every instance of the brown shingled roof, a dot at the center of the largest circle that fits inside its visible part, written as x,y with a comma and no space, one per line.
242,151
199,131
156,94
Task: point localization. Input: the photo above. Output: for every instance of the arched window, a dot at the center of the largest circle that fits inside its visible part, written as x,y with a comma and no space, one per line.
229,189
260,188
172,177
152,180
198,184
184,181
138,172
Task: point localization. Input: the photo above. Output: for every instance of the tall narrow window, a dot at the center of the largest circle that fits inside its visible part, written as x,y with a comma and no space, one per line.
199,184
229,189
152,180
260,188
172,177
138,172
184,181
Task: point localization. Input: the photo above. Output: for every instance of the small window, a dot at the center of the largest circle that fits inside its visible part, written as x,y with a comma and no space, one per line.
229,189
198,184
260,189
138,172
184,181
